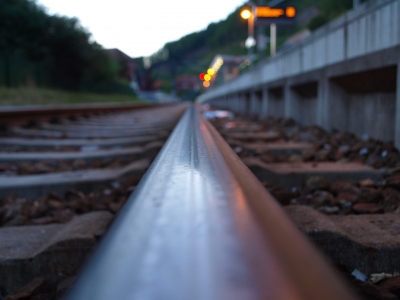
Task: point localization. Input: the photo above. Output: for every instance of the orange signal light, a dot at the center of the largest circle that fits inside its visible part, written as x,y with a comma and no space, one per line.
206,84
268,12
290,12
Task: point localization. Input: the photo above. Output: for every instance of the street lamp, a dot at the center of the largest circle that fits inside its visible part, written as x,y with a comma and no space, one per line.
248,14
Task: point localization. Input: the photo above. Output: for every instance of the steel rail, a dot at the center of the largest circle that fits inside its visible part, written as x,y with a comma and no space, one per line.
201,226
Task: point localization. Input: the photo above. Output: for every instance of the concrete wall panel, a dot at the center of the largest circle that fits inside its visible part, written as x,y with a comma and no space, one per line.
335,46
306,112
307,58
320,49
337,107
276,108
276,104
272,71
372,115
293,64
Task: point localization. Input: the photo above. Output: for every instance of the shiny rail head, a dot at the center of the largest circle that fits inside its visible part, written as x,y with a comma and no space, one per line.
201,226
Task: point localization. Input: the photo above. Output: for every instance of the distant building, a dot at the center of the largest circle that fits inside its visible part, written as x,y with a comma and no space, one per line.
158,85
227,67
127,66
186,83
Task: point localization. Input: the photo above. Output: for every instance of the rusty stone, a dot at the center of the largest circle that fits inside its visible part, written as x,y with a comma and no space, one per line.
55,204
38,208
321,198
371,195
28,291
62,216
42,221
79,164
366,182
338,187
64,286
391,284
317,183
54,196
322,155
391,199
370,291
26,169
17,221
393,181
267,157
42,167
283,197
346,196
368,208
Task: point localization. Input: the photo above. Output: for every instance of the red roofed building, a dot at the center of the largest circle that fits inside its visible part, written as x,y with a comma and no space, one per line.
186,83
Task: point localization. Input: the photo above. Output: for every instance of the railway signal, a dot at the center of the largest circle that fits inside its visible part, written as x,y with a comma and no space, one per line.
275,15
267,15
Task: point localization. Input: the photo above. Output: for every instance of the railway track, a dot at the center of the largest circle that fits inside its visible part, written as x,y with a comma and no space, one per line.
64,175
200,224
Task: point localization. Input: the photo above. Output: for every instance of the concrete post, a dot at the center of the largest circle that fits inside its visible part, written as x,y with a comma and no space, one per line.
287,100
291,102
337,107
218,103
242,104
323,116
238,104
255,106
247,104
234,103
264,104
397,121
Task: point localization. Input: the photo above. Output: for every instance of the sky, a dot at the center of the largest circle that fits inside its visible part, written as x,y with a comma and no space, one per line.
141,27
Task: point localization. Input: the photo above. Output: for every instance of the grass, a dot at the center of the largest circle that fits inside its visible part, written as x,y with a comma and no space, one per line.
36,96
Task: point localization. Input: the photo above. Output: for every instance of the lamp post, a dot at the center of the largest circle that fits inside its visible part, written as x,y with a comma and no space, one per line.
248,14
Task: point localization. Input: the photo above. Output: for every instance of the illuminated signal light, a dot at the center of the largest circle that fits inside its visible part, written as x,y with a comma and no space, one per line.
206,84
268,12
210,72
207,77
201,76
290,12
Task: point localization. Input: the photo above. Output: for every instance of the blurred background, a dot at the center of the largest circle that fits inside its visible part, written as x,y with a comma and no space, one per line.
152,50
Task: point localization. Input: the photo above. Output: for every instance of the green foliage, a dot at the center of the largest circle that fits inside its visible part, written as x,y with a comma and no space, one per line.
317,22
53,51
214,36
35,96
330,9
